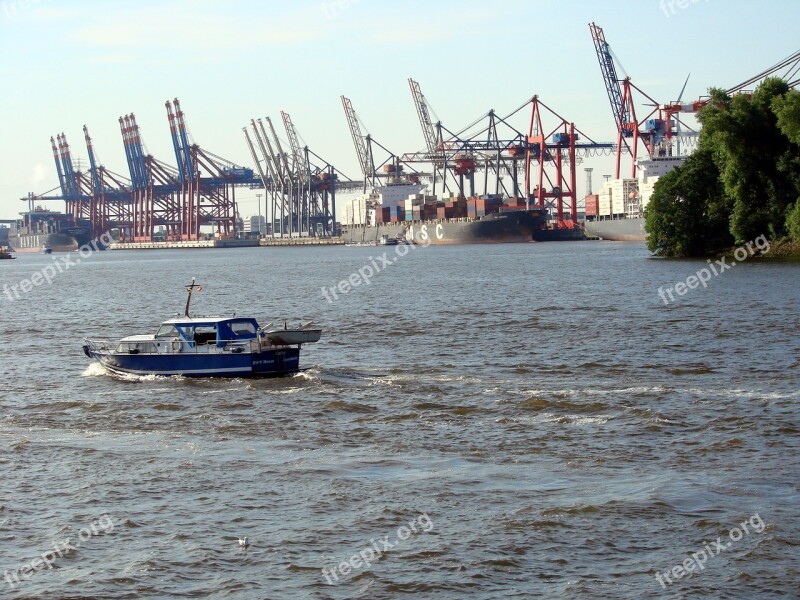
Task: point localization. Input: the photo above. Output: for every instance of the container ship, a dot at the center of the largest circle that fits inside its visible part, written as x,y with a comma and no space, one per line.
41,228
617,212
400,212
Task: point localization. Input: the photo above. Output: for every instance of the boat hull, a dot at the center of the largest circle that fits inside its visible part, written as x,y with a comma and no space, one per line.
33,243
269,363
69,240
618,230
519,226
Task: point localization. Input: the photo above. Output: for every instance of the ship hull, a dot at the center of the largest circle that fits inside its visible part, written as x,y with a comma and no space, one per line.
618,230
508,227
269,363
33,243
68,240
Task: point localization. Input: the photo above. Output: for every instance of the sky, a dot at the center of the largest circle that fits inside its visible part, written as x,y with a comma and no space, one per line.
65,63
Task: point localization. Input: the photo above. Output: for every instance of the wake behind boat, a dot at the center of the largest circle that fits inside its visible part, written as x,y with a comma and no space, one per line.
206,347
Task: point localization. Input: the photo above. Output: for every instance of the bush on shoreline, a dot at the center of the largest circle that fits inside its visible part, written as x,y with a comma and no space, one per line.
742,182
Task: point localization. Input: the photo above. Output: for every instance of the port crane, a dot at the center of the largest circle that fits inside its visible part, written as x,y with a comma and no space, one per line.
430,131
651,135
199,192
110,192
540,159
301,185
655,133
788,69
391,166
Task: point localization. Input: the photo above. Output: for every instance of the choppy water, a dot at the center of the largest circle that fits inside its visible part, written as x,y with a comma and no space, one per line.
564,432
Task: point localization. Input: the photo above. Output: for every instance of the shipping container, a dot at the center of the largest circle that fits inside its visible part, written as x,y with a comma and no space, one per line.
604,205
592,205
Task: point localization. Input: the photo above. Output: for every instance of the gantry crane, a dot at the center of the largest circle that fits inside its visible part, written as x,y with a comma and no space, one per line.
391,167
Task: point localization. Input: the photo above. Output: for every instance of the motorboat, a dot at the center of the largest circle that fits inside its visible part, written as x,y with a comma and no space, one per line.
203,346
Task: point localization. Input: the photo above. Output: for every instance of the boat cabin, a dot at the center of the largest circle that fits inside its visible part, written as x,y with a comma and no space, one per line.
209,330
194,334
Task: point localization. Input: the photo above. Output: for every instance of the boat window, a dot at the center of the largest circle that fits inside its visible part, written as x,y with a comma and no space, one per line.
242,327
205,335
167,331
136,348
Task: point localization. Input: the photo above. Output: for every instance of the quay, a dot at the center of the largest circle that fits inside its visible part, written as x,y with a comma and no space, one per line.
302,241
306,241
183,244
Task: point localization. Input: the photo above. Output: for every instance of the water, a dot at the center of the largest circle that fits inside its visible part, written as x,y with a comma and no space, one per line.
563,431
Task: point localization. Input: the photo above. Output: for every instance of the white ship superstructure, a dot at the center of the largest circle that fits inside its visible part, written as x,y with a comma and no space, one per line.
361,211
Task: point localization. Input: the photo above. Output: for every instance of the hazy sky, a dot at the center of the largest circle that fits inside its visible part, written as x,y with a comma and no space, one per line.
69,63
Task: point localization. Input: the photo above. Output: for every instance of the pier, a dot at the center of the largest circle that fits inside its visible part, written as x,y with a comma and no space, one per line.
184,244
305,241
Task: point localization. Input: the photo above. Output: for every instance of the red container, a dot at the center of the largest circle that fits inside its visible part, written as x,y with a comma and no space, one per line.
592,205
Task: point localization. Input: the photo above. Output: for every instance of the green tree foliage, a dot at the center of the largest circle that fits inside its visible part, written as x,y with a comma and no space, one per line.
751,144
688,212
787,109
793,221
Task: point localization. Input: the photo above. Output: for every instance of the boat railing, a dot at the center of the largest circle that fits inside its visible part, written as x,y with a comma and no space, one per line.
177,346
101,344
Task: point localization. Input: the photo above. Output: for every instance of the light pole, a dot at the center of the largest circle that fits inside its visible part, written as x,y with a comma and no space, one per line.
259,213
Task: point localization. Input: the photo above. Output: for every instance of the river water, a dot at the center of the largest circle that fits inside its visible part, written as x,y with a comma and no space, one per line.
509,421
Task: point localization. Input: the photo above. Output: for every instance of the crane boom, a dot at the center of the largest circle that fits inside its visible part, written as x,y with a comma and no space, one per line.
610,78
187,155
273,162
358,139
96,185
299,161
176,143
261,174
66,161
62,182
281,153
137,152
425,121
268,155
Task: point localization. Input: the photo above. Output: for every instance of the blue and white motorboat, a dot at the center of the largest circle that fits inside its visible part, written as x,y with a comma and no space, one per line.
206,347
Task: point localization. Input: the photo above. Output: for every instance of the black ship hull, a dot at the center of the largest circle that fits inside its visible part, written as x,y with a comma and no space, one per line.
497,228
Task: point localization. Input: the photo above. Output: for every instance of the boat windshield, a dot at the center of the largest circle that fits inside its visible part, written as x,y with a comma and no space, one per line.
242,328
167,331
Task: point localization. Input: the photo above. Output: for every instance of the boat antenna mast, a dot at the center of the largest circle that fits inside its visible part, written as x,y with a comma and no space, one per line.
190,288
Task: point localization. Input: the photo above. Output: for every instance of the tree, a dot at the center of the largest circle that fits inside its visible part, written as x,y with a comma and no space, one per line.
688,212
793,221
754,157
787,110
742,182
